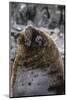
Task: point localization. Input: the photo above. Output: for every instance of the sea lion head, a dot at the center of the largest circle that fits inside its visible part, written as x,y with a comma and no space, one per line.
34,38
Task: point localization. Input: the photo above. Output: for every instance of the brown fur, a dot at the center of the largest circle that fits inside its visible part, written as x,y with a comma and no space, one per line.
44,58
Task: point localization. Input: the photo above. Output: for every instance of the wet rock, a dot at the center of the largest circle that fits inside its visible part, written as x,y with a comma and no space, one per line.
27,13
53,23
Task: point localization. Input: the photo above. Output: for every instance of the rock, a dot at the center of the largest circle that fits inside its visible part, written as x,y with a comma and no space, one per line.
62,28
53,23
29,83
27,12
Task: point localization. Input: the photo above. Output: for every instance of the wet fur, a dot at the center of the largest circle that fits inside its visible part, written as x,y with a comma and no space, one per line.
45,58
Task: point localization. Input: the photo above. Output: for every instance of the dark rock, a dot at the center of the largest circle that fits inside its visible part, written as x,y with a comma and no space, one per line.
22,84
62,14
29,83
53,23
31,72
31,12
25,14
36,75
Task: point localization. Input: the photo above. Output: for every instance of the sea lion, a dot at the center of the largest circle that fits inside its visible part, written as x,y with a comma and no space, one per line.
36,49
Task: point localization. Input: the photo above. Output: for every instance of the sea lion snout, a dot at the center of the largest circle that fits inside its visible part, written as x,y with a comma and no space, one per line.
34,38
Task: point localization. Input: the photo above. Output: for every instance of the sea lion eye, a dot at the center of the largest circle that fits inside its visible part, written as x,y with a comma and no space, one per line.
39,40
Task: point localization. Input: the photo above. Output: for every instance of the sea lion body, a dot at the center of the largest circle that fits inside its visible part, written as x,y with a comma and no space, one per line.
39,53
